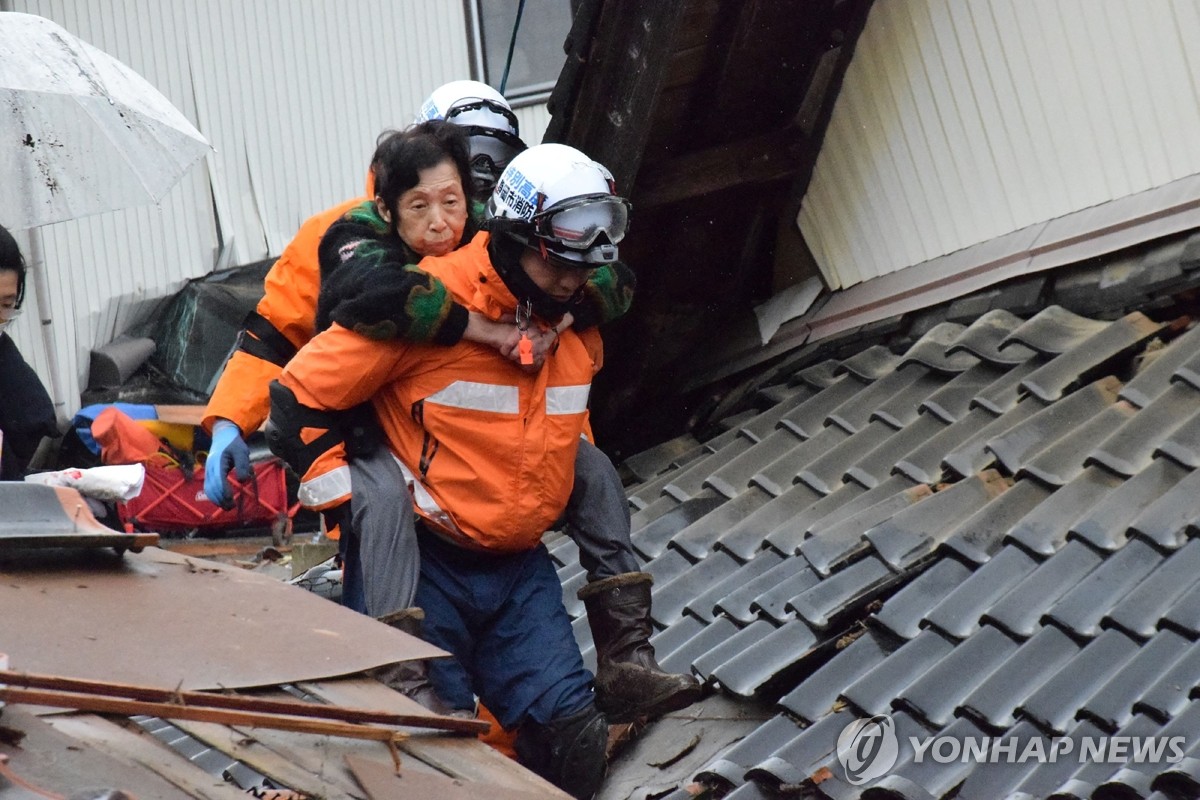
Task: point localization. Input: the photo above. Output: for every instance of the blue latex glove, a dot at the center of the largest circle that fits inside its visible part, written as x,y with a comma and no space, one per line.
228,451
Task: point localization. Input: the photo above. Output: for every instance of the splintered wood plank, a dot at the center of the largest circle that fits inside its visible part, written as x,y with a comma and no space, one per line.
140,765
461,757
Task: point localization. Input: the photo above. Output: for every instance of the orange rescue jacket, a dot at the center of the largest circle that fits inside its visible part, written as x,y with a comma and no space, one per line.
290,306
488,449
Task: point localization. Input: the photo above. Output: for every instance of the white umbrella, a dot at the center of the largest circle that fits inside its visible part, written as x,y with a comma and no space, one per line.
80,134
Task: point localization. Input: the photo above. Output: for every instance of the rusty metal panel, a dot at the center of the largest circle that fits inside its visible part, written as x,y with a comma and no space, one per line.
162,619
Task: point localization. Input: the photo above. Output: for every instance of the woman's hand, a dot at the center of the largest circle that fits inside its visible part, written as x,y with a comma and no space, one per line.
506,338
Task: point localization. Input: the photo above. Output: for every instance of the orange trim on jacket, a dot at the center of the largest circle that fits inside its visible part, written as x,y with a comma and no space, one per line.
489,449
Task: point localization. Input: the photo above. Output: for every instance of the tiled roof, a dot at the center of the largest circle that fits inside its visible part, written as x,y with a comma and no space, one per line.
985,534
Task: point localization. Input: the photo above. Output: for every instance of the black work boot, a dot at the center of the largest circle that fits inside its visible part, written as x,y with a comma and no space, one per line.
411,678
569,752
629,682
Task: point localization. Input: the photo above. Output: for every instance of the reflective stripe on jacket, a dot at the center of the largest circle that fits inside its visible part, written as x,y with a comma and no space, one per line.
490,449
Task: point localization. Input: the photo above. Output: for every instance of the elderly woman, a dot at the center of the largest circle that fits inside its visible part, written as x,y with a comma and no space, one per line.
26,412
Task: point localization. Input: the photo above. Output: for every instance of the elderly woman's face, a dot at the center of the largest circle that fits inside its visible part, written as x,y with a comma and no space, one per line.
433,213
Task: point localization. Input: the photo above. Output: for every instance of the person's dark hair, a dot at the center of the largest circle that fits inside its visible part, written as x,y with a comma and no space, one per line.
11,260
401,155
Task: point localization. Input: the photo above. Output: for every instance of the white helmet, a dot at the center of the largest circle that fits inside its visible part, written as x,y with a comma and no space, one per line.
489,121
566,201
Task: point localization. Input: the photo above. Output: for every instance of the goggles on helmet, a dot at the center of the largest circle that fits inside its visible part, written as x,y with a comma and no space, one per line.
491,150
577,223
479,104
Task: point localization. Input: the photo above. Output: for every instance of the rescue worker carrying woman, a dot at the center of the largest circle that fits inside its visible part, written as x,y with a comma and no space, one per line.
488,452
387,296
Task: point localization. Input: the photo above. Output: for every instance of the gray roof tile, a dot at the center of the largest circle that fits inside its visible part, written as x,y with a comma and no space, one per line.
853,414
954,398
732,478
1139,611
1189,371
1064,461
1111,705
832,546
747,536
781,473
673,637
1052,707
816,695
1167,519
971,455
924,464
794,761
931,350
1050,423
698,539
936,694
1104,526
874,691
1184,612
958,614
1169,695
983,337
730,767
651,540
902,407
754,669
825,473
1005,392
903,612
1044,529
807,419
870,365
1049,775
982,535
766,421
1018,611
1183,444
682,657
829,510
929,778
689,481
703,605
875,466
740,604
1129,449
915,532
772,603
994,702
1079,611
1091,357
649,463
1054,330
1154,376
844,592
995,779
671,597
730,648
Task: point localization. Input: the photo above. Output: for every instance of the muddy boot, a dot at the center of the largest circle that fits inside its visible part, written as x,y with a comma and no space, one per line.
629,682
411,678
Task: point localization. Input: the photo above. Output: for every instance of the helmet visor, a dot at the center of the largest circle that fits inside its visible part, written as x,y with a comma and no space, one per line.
491,150
477,111
579,222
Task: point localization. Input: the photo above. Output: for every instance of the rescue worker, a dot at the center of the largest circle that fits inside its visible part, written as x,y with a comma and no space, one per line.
489,453
597,518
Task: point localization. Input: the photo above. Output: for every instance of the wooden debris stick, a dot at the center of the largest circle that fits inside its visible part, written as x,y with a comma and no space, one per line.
113,705
239,703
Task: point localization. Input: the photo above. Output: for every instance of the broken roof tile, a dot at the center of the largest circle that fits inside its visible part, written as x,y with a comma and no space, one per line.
1019,610
958,614
994,702
903,612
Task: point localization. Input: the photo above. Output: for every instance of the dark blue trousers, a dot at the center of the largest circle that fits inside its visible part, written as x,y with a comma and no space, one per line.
502,618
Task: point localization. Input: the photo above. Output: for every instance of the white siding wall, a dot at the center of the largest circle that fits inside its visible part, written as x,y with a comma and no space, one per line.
961,121
291,93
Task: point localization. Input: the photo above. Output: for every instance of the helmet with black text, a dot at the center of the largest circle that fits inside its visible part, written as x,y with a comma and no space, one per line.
490,124
554,197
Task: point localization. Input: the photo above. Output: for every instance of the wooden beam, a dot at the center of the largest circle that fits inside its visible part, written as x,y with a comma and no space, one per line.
615,84
773,156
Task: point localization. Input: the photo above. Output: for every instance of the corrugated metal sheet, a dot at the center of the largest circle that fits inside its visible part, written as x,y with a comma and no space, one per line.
960,122
291,95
